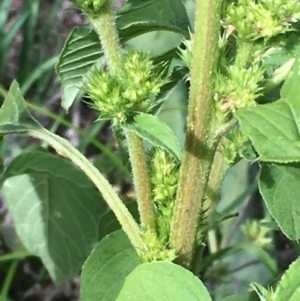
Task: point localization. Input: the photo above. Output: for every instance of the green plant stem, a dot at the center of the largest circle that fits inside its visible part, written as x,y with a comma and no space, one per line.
216,177
199,152
106,29
65,149
141,179
8,280
15,255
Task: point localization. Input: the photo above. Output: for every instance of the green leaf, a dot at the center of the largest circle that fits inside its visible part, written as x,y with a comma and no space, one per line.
105,271
109,223
81,51
274,129
43,162
132,5
242,297
163,281
150,128
279,186
154,15
55,209
288,287
14,116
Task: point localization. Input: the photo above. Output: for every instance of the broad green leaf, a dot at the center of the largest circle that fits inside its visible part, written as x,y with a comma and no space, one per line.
43,162
279,186
167,15
163,281
55,209
242,297
106,269
132,5
288,288
108,222
14,116
274,128
81,51
163,45
150,128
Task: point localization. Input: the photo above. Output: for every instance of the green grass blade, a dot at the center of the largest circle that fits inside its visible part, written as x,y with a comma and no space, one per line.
29,29
4,13
38,73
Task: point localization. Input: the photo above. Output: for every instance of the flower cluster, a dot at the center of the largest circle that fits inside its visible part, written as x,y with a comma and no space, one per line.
90,7
258,234
237,88
134,90
253,20
234,142
164,172
155,249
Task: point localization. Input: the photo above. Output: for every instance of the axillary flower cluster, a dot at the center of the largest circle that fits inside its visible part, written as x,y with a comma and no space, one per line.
134,90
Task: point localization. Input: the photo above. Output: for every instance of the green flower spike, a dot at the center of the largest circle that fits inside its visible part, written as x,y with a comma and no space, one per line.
238,88
134,91
155,250
164,172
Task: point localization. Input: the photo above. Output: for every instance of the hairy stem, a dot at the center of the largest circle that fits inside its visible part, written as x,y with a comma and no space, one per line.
216,177
141,179
199,150
106,29
65,149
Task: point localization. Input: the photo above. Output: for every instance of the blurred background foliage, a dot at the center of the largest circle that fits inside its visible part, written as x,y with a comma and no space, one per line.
239,250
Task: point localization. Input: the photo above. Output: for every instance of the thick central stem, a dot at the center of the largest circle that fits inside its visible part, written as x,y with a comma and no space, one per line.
199,150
